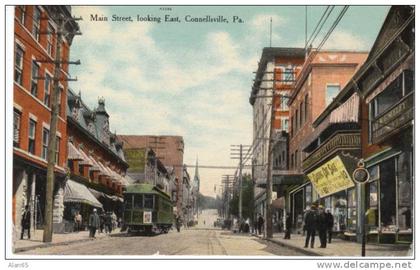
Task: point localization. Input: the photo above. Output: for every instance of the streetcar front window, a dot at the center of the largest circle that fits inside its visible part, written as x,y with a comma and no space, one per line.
148,201
128,202
138,201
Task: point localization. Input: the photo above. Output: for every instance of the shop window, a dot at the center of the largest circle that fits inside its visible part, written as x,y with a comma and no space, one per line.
45,138
351,210
388,194
405,195
31,136
16,128
331,92
19,54
308,196
372,199
148,201
339,210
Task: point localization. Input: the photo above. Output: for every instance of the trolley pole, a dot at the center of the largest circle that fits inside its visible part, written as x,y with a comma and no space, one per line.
240,183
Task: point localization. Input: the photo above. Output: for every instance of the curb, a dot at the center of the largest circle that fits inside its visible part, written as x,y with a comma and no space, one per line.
65,243
283,244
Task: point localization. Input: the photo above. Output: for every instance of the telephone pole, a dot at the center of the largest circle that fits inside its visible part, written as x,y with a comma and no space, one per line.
52,140
236,155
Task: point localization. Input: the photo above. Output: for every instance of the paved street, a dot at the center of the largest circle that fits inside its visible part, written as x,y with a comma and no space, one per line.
187,242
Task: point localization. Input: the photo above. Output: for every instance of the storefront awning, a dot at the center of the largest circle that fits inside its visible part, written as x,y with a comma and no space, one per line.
79,193
95,166
73,154
86,160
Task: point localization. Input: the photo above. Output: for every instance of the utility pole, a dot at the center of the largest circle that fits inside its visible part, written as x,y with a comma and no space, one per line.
236,155
52,140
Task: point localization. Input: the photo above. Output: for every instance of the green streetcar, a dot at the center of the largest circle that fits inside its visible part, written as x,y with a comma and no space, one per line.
147,209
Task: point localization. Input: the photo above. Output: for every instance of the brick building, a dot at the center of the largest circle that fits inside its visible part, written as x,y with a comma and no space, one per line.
323,76
35,37
277,71
96,162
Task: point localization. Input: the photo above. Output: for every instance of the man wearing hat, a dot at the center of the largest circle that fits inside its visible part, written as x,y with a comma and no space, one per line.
311,220
322,226
94,223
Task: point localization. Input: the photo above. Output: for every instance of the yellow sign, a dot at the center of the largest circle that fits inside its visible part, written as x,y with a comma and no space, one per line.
331,177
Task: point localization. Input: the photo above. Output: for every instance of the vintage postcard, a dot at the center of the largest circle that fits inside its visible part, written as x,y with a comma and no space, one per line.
218,132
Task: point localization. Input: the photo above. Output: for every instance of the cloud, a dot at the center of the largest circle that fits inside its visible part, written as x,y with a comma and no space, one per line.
342,40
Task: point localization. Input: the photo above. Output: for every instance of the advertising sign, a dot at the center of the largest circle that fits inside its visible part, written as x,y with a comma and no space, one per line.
147,217
330,177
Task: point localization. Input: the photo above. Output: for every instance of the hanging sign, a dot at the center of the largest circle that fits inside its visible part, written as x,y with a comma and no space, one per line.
330,177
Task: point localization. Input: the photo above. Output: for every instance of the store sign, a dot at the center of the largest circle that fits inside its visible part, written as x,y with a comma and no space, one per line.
398,116
330,177
147,217
135,158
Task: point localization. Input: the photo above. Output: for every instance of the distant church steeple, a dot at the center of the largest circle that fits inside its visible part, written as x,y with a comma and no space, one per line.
196,177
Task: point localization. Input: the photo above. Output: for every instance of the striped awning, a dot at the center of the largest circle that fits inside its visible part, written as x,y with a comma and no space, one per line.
95,166
103,170
86,160
74,154
79,193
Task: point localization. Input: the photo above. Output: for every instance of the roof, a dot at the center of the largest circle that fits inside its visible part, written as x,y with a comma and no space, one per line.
85,120
268,54
145,188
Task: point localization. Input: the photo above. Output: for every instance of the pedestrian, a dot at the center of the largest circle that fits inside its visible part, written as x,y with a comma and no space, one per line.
322,227
94,223
78,221
304,218
311,220
330,224
26,222
108,222
260,223
101,222
288,226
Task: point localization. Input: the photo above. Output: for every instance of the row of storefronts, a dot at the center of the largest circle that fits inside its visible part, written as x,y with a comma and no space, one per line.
369,123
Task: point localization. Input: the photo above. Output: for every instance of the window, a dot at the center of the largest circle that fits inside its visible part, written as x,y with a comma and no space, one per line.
296,160
128,201
332,91
148,201
288,75
283,101
292,159
306,107
34,79
351,210
16,128
284,124
50,34
59,102
19,64
138,201
45,138
31,136
36,23
296,120
47,90
301,114
291,127
21,15
57,150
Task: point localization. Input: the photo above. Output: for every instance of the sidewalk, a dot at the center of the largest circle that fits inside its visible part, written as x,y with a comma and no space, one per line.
58,239
341,248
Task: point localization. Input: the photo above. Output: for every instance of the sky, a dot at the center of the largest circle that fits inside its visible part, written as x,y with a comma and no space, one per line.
194,79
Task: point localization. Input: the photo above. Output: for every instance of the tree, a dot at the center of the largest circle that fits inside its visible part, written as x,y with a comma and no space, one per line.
247,199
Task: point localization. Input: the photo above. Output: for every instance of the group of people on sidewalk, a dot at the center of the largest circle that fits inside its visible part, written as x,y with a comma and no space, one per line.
107,221
317,219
